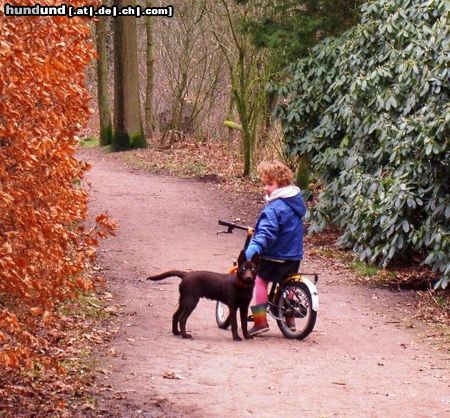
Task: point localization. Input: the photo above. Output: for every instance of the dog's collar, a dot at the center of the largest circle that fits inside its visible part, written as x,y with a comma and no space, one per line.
240,283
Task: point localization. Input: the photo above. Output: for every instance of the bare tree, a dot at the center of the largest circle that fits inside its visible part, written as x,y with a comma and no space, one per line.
247,67
191,66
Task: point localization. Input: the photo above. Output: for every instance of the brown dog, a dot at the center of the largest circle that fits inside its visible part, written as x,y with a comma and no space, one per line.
234,289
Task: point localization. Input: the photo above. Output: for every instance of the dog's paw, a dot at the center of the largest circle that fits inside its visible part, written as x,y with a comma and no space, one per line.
237,338
187,336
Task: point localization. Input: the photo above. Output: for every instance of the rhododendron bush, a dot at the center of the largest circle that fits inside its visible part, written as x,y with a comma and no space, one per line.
45,249
371,111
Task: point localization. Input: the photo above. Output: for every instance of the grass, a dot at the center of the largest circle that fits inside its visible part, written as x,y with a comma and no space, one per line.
86,306
89,142
359,268
85,362
364,269
180,167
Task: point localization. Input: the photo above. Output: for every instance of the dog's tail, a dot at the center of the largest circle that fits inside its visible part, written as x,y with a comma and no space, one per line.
170,273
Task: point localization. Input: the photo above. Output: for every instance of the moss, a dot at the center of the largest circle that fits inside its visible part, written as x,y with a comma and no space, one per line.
106,135
123,141
303,175
138,140
120,141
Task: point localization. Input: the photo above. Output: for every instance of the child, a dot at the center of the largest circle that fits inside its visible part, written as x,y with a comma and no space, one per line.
278,237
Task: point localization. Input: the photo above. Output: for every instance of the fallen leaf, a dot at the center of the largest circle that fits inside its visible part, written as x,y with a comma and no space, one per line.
172,375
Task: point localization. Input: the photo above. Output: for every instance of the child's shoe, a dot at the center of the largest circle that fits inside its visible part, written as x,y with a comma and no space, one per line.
260,320
258,330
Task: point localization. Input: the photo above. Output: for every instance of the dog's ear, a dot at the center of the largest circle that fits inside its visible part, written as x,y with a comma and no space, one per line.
242,258
256,259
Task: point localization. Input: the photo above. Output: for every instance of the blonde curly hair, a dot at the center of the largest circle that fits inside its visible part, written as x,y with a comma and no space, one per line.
275,171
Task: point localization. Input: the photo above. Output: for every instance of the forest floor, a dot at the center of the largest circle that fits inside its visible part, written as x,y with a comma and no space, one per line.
373,352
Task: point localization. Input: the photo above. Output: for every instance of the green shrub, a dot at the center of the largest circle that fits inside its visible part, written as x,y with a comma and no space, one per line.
371,111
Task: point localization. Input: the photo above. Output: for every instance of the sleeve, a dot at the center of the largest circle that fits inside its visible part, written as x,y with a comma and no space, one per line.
266,233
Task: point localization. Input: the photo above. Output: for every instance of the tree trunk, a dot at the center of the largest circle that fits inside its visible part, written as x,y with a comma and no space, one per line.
242,103
303,175
128,131
150,73
102,84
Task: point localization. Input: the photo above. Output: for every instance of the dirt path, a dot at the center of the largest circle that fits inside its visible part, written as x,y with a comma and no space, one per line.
359,361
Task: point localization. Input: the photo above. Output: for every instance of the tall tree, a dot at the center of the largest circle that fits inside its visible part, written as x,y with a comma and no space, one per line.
247,71
102,85
288,29
192,65
150,75
128,131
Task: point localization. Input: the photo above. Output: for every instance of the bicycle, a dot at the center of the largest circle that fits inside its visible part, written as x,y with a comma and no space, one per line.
295,298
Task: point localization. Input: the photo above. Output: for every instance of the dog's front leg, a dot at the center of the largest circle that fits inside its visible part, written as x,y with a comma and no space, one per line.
233,317
243,310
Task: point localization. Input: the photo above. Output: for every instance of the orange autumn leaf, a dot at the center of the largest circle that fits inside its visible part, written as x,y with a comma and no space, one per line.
37,311
44,102
47,318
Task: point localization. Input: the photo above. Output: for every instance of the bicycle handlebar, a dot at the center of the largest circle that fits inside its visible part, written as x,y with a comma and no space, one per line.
232,226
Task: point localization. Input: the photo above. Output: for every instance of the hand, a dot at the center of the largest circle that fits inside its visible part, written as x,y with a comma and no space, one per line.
251,251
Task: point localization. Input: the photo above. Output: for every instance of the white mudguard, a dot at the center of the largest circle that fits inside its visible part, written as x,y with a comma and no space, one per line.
313,290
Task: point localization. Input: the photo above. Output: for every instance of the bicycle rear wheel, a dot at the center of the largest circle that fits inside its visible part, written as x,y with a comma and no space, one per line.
295,316
222,315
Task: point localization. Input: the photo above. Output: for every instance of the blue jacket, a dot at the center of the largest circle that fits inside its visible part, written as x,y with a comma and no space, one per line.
279,230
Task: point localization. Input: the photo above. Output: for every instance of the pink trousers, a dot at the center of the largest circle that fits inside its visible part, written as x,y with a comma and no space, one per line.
260,291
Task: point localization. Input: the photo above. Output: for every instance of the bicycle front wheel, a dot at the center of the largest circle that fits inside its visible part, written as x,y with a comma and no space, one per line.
222,315
295,316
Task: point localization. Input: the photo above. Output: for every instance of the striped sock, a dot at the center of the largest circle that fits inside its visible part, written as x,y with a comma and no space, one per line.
259,315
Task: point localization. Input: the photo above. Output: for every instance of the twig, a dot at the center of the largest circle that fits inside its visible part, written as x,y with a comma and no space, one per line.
435,301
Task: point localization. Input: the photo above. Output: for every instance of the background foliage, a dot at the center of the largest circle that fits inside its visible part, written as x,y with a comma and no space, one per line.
44,248
289,28
371,111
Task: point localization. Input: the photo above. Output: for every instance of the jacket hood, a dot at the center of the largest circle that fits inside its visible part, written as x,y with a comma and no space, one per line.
292,196
296,204
283,192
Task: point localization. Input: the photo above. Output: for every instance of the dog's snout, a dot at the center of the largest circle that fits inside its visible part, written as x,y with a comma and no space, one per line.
248,272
